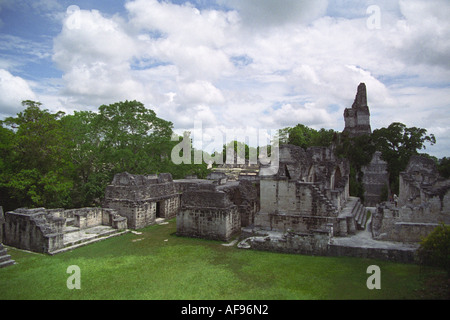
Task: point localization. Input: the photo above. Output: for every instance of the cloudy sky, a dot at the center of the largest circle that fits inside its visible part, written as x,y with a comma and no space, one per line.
233,64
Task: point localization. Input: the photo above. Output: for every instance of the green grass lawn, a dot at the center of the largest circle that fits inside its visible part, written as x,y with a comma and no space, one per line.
159,265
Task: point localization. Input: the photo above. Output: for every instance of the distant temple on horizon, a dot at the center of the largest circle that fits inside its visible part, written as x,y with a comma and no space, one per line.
357,118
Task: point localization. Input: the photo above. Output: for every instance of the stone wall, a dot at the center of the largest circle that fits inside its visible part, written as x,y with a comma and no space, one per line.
396,255
290,242
375,180
306,194
34,230
210,211
295,223
357,118
2,222
209,223
423,203
248,201
142,199
319,243
42,230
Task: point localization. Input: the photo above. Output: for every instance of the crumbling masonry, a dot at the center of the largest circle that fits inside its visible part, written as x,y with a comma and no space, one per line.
143,199
302,207
423,203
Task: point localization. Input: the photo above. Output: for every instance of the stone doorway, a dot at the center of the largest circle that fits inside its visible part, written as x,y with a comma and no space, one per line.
160,210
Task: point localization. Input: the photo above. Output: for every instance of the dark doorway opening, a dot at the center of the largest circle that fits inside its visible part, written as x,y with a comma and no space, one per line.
160,209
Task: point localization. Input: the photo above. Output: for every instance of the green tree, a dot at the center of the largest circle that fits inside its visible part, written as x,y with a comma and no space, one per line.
133,138
39,170
6,169
444,167
240,148
397,144
305,137
434,249
91,174
359,151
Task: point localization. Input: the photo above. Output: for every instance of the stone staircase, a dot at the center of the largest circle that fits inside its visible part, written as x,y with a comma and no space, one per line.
331,208
5,259
353,217
75,237
360,214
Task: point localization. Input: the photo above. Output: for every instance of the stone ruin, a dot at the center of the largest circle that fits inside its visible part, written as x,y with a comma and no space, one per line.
143,199
5,258
305,204
357,123
216,209
375,180
307,193
357,118
56,230
304,207
423,204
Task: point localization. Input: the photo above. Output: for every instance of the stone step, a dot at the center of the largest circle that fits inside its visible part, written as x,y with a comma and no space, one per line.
357,212
89,241
70,222
5,257
69,229
86,237
362,217
7,263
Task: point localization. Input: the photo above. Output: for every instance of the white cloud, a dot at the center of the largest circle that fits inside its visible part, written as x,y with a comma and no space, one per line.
193,40
201,92
94,52
13,90
424,30
88,37
260,63
269,13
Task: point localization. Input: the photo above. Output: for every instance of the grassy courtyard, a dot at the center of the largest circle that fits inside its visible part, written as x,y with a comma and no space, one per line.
157,264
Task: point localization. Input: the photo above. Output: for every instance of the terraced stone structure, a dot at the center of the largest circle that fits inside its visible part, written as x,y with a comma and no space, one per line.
305,203
375,180
143,198
423,203
5,258
308,192
56,230
357,118
216,208
357,123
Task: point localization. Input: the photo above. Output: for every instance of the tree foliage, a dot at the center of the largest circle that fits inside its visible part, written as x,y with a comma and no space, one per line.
57,160
305,137
434,250
444,167
397,144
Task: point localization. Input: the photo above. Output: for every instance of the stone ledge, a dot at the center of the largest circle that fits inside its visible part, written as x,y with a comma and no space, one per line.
97,239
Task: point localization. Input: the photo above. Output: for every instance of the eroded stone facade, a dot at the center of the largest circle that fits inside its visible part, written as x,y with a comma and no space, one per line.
45,230
307,193
357,118
216,208
423,203
375,180
143,198
303,207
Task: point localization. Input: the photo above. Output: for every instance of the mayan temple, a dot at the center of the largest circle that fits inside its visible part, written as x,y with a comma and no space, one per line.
357,118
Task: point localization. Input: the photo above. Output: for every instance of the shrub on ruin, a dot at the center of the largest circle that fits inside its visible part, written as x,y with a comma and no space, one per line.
434,249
